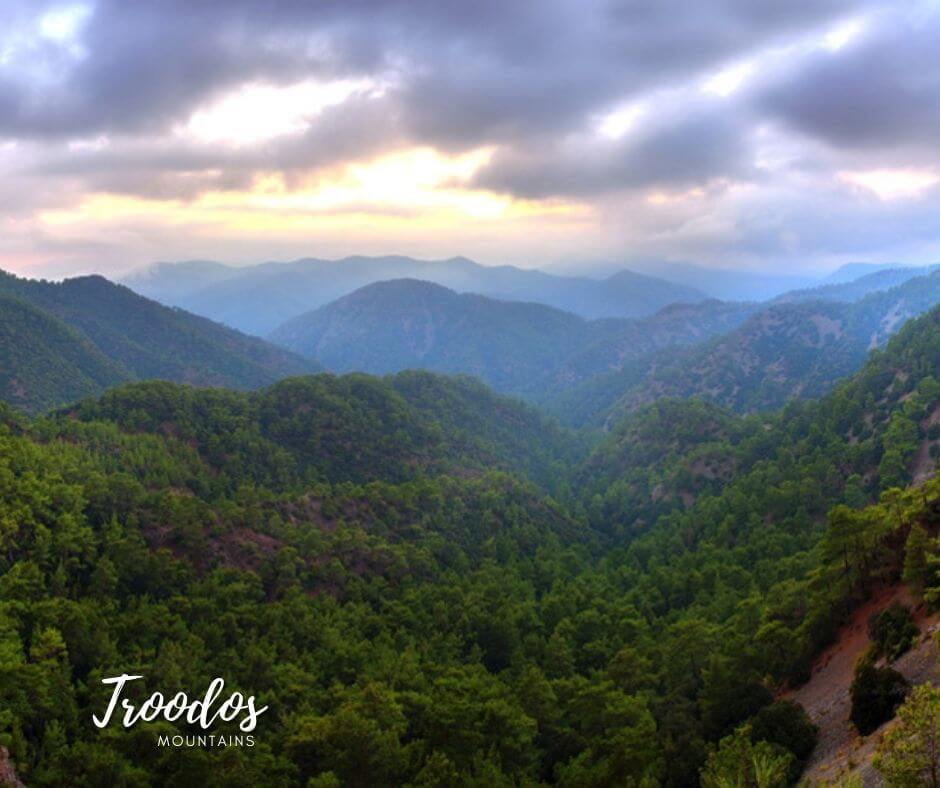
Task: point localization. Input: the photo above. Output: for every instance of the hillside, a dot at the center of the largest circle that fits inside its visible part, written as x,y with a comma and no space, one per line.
783,352
258,299
44,363
138,338
524,349
406,324
759,356
354,428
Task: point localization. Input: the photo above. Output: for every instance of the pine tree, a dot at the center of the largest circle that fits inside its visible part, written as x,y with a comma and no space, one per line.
916,569
909,754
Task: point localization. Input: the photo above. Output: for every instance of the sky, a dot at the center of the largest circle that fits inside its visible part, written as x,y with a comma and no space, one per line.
752,134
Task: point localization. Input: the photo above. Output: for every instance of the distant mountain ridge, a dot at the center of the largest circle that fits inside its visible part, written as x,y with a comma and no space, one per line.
66,340
258,299
521,348
785,351
852,289
745,357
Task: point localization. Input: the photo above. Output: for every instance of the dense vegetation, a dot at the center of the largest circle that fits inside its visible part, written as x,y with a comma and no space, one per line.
432,585
65,340
44,362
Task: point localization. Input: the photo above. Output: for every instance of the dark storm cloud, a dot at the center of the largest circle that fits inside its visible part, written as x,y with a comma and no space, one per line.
532,79
672,150
487,69
882,94
523,75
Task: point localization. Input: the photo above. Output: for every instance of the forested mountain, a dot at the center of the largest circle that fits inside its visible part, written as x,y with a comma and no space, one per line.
783,352
43,362
405,323
117,335
525,349
355,428
257,299
379,562
744,356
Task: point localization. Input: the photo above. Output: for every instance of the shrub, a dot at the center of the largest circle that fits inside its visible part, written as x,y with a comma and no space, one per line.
892,631
786,723
876,693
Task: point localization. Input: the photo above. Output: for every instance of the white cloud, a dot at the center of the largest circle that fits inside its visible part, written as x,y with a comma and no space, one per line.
728,80
844,33
257,112
892,184
64,24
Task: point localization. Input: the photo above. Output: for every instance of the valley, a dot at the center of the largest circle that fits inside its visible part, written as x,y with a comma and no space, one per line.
470,587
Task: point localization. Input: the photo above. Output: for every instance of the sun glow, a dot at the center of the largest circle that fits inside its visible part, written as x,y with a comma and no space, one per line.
256,112
843,34
891,184
728,80
391,192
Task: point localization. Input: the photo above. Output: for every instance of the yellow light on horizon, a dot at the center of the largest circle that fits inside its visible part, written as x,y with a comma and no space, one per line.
392,192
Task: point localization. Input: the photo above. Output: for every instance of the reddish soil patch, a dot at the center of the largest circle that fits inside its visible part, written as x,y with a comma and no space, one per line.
825,696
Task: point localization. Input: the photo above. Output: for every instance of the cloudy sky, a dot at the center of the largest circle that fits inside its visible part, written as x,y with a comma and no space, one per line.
763,134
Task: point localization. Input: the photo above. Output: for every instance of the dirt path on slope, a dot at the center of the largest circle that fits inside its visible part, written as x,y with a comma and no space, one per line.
841,751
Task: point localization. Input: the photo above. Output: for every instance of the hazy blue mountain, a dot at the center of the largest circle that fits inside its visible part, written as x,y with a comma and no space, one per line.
104,333
168,282
855,289
721,283
785,351
257,299
522,348
409,324
851,271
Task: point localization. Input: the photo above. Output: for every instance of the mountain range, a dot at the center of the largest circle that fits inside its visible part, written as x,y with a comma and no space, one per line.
724,284
744,356
258,299
842,287
433,584
786,351
520,348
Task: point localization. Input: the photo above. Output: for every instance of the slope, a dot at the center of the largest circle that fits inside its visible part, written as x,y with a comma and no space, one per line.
44,363
411,627
354,428
524,349
783,352
405,323
152,341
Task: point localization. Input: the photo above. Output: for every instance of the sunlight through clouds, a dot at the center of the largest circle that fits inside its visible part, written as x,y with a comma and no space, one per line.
393,191
257,112
728,80
891,184
63,24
